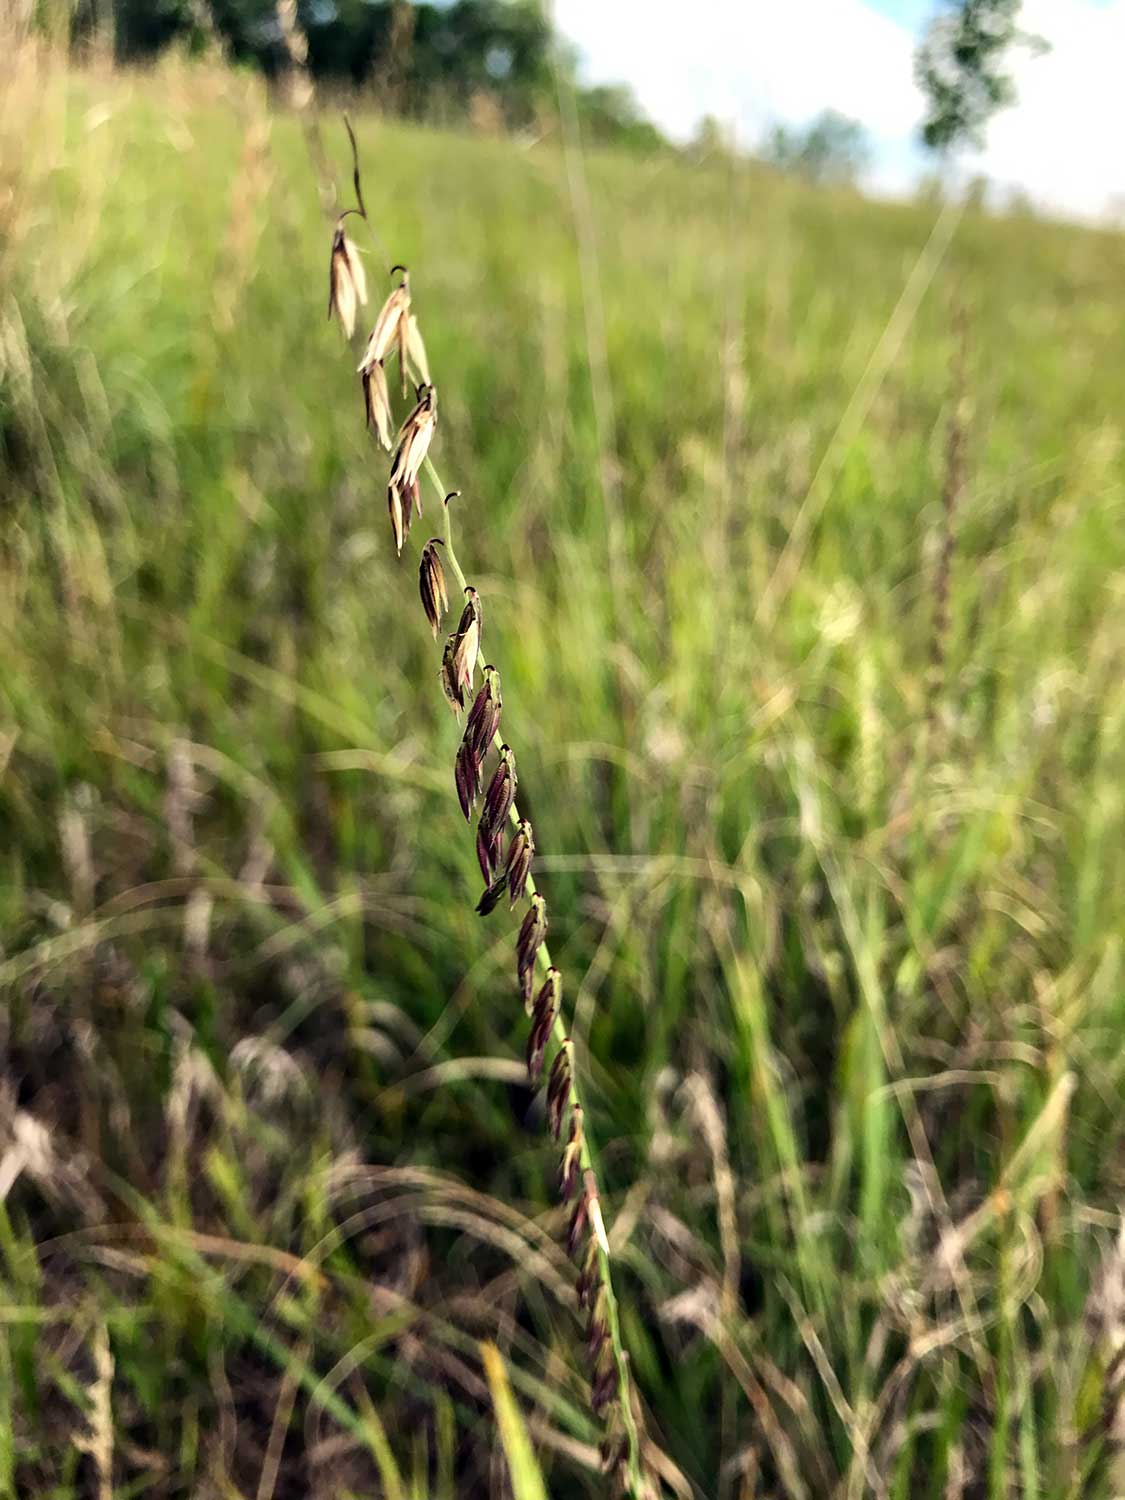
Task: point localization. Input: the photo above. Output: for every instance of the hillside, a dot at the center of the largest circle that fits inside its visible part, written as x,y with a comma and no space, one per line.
798,525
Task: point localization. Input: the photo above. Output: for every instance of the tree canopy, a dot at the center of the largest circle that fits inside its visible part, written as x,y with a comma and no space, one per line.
959,68
419,55
831,148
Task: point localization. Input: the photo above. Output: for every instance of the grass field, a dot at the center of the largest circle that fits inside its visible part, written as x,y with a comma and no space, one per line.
835,869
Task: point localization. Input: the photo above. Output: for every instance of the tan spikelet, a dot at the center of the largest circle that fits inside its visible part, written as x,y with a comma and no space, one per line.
377,402
355,266
414,439
417,350
402,333
454,692
398,519
431,583
386,333
465,641
347,281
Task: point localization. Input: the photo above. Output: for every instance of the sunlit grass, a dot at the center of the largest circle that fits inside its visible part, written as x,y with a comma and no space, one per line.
857,984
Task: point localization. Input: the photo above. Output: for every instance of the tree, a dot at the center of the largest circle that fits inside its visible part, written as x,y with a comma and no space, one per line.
958,66
831,148
610,113
429,58
423,57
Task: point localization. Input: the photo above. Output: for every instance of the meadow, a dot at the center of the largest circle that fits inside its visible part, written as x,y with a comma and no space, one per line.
798,520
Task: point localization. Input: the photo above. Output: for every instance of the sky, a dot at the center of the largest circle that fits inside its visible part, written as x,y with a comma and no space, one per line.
752,63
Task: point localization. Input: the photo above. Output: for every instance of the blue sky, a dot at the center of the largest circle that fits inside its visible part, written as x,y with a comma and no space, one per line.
754,62
909,13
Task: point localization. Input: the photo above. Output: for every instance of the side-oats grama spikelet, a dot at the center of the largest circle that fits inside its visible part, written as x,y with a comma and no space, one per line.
486,857
501,793
532,934
484,716
577,1226
518,867
398,519
572,1155
402,338
464,643
403,493
417,349
377,401
594,1209
450,686
589,1280
558,1089
431,584
490,899
597,1328
466,776
543,1015
393,315
347,281
603,1387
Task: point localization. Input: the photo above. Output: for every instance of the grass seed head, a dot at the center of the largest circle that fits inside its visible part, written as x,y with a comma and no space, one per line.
465,642
347,281
486,856
532,934
488,851
543,1016
484,717
417,349
466,776
413,443
431,584
450,686
377,401
490,899
603,1386
558,1089
597,1329
572,1155
398,521
396,329
411,501
393,313
594,1206
501,793
579,1219
520,852
589,1278
414,438
614,1452
402,339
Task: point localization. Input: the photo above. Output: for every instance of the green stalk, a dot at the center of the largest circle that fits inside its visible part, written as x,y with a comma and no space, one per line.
587,1156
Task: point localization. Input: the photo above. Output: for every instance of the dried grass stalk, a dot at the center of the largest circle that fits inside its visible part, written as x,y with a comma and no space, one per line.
396,328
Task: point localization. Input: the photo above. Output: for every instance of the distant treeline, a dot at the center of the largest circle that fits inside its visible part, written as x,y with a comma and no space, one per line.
471,54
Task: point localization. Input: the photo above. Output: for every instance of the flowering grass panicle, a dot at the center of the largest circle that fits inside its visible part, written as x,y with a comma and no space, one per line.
472,687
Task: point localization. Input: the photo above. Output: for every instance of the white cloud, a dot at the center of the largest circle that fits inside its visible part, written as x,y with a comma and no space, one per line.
1063,141
751,62
748,63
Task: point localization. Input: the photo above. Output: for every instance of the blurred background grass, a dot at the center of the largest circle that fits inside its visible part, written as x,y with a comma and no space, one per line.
837,889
